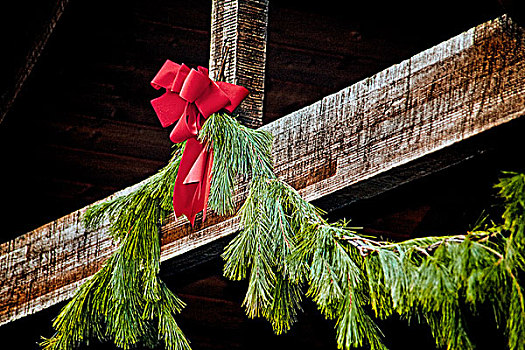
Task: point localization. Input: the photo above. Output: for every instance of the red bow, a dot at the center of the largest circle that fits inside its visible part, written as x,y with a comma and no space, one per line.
191,97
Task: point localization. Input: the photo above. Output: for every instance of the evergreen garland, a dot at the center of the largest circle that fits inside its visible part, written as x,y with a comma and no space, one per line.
289,252
125,301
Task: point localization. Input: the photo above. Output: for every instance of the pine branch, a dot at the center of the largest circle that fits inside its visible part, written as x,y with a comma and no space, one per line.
422,279
239,152
123,300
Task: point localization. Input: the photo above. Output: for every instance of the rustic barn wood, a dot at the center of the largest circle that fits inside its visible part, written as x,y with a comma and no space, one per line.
121,51
442,96
238,51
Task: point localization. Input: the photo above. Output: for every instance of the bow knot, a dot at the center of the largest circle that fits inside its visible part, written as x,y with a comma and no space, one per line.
191,97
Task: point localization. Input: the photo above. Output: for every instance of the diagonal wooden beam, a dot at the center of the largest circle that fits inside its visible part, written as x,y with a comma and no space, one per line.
9,98
425,105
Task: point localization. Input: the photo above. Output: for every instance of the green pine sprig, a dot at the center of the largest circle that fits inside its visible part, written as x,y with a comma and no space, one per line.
126,302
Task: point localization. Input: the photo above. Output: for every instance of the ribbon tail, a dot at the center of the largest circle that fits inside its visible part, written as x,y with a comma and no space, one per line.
192,185
200,174
206,183
198,169
184,194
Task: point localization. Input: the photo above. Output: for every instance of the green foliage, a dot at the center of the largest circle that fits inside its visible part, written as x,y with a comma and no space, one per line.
288,252
125,301
238,152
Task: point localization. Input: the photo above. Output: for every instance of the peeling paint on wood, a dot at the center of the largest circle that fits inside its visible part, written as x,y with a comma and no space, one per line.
455,90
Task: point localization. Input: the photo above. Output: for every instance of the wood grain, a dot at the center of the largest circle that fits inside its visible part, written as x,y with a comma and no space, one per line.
438,98
239,32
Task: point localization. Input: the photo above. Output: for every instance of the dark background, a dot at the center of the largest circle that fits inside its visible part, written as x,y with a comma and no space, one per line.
82,128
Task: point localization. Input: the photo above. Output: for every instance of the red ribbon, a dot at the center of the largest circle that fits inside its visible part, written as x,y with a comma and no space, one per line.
191,97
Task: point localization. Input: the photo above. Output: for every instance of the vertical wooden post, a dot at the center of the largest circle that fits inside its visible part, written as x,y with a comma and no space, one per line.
239,32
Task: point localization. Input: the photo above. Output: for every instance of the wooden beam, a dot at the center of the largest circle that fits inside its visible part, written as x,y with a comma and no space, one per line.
32,58
239,33
429,103
515,9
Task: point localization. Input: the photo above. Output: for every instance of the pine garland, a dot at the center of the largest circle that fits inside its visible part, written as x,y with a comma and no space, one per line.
289,252
125,301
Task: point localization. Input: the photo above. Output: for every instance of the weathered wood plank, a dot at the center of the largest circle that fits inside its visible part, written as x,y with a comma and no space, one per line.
240,27
438,98
329,35
105,169
441,96
103,135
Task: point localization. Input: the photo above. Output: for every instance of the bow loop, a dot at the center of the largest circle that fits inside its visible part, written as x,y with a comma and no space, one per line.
213,99
191,97
166,75
195,84
236,94
180,78
169,108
